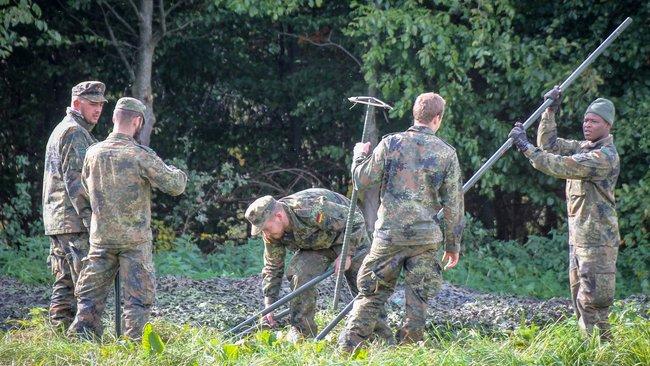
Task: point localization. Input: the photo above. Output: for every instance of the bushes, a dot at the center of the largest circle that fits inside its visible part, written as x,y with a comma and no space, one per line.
27,262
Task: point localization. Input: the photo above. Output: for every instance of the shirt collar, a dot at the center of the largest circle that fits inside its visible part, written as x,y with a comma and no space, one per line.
421,129
78,117
121,136
607,140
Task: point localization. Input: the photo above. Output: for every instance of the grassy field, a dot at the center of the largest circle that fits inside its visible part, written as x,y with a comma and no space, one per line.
36,343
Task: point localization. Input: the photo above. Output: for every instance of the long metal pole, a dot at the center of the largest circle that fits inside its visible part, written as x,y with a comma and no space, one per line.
348,223
538,112
118,305
336,320
533,117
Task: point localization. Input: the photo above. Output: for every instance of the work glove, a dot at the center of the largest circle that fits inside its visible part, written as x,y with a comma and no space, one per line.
556,95
518,135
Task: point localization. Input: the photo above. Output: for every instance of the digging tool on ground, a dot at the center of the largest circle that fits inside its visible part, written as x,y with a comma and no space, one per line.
288,297
371,102
278,316
506,145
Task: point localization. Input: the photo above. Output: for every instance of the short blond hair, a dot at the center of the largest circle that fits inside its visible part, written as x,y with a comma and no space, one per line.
427,106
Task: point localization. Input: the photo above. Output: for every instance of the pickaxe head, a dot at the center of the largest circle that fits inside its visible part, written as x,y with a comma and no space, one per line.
369,101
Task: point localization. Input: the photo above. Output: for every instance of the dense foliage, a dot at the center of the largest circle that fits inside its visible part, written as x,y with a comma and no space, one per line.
250,99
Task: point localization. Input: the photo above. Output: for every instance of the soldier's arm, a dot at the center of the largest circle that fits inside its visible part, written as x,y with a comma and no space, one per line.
594,165
73,150
547,139
166,178
367,170
453,206
272,271
331,216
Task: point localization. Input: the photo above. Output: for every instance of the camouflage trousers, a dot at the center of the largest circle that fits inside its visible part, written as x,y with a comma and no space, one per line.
304,266
377,279
138,288
592,277
66,254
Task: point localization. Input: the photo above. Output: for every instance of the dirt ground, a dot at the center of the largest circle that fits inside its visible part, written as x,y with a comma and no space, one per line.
223,302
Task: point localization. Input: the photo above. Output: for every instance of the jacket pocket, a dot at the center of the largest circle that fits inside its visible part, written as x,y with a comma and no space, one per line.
575,197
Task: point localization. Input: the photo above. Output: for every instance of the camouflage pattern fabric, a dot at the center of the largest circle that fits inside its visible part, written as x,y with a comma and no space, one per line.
419,174
121,201
317,218
65,207
66,254
118,175
137,277
591,170
376,282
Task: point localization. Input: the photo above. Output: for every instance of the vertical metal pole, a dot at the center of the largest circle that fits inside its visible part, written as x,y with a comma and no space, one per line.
348,224
118,305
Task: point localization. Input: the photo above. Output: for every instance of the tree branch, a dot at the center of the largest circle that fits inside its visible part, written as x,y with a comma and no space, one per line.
117,15
181,27
129,68
179,2
136,10
163,22
329,43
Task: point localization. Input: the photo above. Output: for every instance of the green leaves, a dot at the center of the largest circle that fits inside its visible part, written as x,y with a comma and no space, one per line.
151,342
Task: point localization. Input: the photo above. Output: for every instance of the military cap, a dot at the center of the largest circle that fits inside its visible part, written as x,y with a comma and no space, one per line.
91,90
604,108
131,104
258,212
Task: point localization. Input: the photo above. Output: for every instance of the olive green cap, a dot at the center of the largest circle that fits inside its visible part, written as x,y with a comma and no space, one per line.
259,212
90,90
131,104
604,108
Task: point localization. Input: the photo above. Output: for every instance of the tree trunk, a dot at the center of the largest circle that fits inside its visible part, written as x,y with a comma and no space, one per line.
142,85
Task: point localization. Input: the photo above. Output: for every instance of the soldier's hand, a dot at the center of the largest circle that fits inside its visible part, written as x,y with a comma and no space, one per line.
449,260
270,320
361,148
556,95
518,135
348,263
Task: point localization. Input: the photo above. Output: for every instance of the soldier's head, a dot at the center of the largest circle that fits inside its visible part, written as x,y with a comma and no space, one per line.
428,110
267,217
88,99
128,116
598,119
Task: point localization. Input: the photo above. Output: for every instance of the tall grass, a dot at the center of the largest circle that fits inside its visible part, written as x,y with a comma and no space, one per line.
35,342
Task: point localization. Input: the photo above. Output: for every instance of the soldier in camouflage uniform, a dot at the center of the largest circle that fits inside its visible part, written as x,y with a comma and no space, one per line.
66,212
118,175
310,223
591,168
418,175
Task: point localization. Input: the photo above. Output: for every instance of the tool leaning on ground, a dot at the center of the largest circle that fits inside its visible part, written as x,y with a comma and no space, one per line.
506,145
287,298
371,102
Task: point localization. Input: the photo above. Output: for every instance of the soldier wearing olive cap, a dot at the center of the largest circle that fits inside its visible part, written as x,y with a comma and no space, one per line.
66,212
311,224
590,168
118,175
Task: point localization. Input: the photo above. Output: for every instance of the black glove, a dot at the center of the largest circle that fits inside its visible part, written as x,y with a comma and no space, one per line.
556,95
518,135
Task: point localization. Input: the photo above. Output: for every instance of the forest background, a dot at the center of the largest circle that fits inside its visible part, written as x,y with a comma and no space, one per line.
250,98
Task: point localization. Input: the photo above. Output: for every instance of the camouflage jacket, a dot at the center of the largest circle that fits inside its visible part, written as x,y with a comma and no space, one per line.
591,170
317,217
419,174
65,208
118,175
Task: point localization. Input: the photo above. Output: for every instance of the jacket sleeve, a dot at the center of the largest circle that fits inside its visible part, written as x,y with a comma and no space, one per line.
73,150
367,170
593,165
453,206
547,139
273,270
166,178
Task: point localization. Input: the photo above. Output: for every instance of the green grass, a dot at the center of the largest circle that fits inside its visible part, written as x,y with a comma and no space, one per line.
557,344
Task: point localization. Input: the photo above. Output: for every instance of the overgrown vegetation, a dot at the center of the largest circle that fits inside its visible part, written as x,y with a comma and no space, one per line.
169,344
